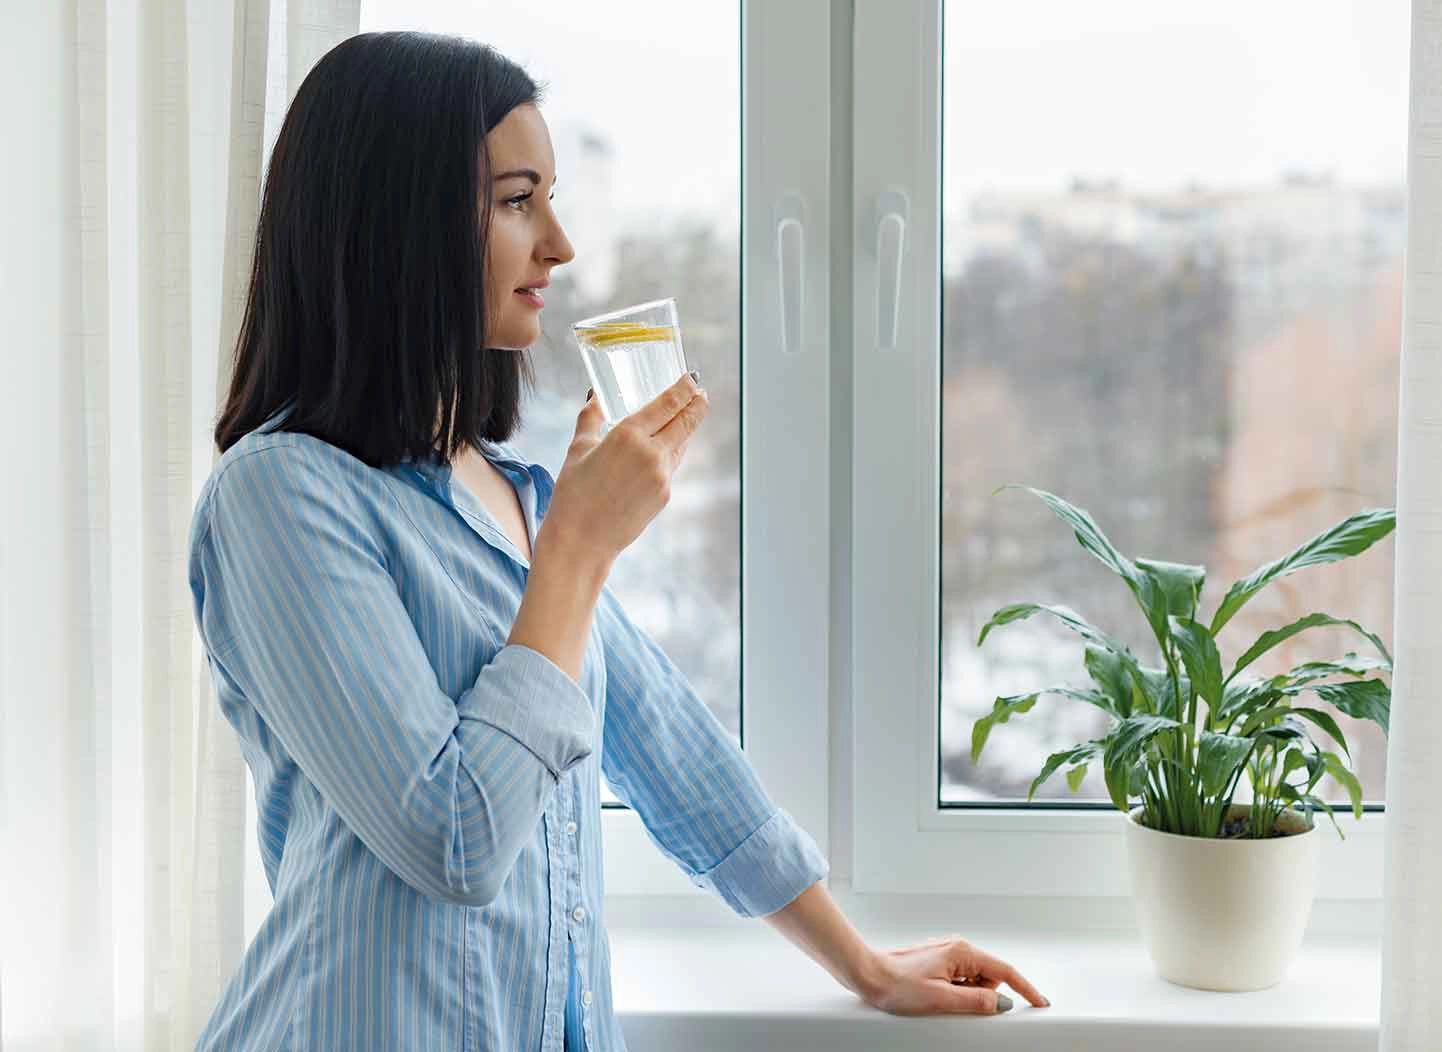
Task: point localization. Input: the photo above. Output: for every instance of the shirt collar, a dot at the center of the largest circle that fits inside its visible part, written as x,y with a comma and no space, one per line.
497,453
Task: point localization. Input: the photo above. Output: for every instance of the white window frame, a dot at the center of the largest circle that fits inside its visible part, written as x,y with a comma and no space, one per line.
786,514
904,843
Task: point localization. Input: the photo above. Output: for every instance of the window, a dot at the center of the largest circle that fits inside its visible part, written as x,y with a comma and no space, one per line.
1147,257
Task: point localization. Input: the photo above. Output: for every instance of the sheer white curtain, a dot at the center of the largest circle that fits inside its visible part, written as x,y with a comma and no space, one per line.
130,186
1412,880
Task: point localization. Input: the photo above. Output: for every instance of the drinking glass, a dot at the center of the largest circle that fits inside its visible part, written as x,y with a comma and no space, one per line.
631,355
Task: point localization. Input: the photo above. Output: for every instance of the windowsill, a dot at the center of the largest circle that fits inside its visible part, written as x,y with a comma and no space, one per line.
722,987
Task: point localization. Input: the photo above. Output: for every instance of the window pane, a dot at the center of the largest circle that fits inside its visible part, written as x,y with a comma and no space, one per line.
648,190
1172,296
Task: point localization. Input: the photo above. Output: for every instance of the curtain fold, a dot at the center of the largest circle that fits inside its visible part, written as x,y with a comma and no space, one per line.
123,793
1412,863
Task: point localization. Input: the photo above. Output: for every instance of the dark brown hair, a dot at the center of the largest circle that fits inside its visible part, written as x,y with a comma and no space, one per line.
366,310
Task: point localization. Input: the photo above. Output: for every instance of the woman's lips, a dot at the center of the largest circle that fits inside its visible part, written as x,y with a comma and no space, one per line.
533,298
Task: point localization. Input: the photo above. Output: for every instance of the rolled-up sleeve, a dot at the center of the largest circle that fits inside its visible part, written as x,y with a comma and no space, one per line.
666,756
296,603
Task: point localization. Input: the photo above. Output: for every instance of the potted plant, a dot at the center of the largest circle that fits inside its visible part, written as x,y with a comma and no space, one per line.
1223,891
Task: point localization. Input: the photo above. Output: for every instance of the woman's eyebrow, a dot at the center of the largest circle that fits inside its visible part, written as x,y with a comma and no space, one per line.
529,173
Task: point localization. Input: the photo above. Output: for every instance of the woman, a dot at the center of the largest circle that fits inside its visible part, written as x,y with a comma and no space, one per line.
408,626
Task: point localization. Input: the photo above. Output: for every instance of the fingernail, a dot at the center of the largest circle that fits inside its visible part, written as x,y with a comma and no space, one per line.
590,391
1003,1003
696,375
1045,1003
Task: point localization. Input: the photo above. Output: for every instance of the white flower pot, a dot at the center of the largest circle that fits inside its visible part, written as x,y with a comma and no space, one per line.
1222,914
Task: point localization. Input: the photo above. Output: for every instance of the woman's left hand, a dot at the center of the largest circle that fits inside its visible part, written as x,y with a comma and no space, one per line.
944,975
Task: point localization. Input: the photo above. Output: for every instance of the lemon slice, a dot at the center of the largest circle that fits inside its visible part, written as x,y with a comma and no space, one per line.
605,333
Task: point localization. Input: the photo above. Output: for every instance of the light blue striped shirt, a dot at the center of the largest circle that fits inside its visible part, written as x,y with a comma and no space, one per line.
428,796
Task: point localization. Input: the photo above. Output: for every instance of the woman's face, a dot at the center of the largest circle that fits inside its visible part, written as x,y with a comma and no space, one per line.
526,240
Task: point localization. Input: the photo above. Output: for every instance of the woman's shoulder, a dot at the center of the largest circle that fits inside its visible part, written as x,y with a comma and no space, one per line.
262,455
292,471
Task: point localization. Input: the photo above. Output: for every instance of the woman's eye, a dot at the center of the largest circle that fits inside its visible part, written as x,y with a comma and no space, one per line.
524,197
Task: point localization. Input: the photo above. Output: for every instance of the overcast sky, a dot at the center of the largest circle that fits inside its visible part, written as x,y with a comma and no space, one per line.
1154,92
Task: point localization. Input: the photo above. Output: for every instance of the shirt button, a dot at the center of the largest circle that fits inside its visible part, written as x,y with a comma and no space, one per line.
579,913
586,998
570,827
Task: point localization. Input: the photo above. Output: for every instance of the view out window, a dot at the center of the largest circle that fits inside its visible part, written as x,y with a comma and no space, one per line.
1173,254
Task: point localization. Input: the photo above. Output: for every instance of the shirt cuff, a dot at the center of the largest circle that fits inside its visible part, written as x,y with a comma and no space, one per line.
526,695
768,869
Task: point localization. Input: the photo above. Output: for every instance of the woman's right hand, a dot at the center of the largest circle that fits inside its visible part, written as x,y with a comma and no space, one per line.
610,488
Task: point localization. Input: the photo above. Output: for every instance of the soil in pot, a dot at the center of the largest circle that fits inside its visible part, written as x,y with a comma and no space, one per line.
1239,827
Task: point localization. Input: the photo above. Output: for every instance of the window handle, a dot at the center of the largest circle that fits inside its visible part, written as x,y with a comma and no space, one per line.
791,268
892,210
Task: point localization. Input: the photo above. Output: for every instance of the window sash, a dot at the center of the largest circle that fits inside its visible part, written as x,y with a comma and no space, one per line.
786,508
905,842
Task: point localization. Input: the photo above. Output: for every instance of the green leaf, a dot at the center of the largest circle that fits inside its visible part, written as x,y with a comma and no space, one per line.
1076,776
1339,771
1001,711
1004,708
1179,583
1080,754
1351,536
1118,777
1087,695
1268,640
1084,694
1325,721
1140,701
1202,661
1067,616
1291,760
1155,588
1323,805
1159,691
1348,665
1167,590
1288,793
1366,699
1123,746
1288,730
1088,534
1261,718
1072,620
1245,696
1109,673
1218,758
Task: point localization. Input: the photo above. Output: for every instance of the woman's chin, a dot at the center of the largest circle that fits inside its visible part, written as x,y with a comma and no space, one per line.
517,336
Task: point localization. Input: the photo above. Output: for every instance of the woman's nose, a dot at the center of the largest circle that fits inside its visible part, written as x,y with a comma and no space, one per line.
563,252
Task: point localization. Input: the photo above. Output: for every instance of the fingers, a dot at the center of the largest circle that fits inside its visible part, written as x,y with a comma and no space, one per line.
973,1000
683,425
982,981
974,964
657,413
995,968
590,418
